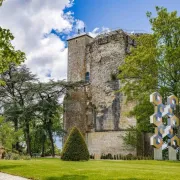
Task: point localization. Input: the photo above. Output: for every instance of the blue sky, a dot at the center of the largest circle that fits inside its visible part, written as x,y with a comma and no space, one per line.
125,14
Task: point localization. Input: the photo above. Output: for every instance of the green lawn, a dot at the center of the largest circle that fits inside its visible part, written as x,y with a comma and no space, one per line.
55,169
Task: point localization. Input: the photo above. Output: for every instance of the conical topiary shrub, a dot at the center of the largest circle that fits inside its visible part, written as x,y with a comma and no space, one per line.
75,148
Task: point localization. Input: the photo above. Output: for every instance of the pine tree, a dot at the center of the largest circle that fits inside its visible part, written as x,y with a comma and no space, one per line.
75,148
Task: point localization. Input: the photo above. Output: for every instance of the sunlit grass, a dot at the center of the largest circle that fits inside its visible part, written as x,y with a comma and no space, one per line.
55,169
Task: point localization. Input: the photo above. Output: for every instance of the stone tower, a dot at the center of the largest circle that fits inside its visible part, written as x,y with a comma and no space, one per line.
98,110
75,102
76,57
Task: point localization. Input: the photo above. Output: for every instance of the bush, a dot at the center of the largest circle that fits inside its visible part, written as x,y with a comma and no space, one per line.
8,156
92,156
15,156
75,148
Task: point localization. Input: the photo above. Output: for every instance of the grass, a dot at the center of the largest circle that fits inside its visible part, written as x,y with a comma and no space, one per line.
55,169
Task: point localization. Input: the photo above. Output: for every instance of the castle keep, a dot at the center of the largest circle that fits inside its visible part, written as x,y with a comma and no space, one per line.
98,109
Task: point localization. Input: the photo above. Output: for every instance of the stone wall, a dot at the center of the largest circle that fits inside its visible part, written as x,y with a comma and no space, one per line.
108,142
103,57
75,105
76,57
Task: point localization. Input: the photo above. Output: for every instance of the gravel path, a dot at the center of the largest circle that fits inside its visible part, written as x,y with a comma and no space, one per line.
4,176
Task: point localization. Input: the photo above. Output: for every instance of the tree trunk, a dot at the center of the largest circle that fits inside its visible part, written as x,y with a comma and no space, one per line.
16,129
51,140
28,139
43,146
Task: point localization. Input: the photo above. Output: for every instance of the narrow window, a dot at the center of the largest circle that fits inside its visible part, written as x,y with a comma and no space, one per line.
87,77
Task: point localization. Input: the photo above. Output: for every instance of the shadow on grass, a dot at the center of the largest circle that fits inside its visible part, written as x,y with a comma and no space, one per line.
132,179
78,177
68,177
9,167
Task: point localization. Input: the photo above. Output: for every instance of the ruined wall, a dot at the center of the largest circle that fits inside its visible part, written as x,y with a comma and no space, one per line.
110,121
104,55
75,111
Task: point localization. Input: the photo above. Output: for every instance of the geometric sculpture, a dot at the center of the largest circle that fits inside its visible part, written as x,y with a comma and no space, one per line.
164,130
156,141
175,143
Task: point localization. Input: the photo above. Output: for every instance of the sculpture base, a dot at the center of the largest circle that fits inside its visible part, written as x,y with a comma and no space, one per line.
172,154
158,154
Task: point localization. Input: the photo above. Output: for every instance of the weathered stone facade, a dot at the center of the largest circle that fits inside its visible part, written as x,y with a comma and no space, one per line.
100,111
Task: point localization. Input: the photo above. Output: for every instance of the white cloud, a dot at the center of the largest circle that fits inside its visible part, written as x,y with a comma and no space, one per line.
79,24
95,32
31,22
98,31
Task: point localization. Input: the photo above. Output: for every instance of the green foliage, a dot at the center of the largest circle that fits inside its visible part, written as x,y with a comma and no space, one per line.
166,30
139,77
131,137
139,72
8,54
7,134
57,151
75,148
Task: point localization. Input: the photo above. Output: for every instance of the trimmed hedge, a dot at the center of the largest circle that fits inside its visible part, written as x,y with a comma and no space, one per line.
75,148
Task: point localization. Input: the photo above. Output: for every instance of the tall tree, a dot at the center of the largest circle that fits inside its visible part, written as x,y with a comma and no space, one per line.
139,77
154,65
50,111
16,96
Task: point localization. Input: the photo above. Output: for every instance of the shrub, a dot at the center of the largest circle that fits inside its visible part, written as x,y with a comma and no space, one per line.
15,156
8,156
92,156
102,156
75,148
129,156
110,156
